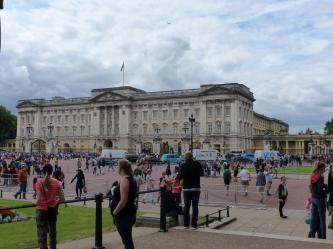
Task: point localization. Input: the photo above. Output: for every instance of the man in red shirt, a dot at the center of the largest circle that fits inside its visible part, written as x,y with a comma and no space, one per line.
22,179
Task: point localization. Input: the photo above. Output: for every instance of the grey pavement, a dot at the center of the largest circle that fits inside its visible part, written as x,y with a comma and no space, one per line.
180,239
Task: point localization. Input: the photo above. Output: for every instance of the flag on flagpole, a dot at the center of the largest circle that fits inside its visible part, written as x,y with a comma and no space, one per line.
122,67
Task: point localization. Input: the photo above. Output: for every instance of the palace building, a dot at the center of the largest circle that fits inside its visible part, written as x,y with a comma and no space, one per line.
132,119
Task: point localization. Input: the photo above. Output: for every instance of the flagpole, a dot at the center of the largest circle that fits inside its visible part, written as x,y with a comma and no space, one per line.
124,75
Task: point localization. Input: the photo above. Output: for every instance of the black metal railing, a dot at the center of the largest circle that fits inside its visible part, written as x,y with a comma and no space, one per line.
99,198
210,217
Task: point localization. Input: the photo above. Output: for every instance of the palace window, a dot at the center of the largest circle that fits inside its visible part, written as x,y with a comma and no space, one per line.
175,114
155,114
210,128
227,111
165,114
209,112
145,116
185,113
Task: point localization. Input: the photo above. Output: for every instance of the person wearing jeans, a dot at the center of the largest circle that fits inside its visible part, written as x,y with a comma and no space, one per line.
23,179
318,210
123,207
191,197
190,173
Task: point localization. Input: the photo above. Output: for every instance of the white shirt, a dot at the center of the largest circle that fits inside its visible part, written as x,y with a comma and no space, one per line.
244,175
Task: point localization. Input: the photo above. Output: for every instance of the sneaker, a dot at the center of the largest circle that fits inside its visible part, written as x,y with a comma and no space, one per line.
186,227
284,217
194,228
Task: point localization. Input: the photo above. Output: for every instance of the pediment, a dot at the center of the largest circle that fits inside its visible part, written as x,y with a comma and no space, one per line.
26,103
216,90
108,96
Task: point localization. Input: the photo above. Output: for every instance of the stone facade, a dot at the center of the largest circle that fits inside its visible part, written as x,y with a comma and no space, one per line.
264,125
135,120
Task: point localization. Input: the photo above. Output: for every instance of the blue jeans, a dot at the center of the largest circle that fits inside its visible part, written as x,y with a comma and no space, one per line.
124,226
23,188
191,197
318,218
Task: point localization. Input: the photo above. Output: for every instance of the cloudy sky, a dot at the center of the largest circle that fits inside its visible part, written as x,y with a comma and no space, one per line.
281,49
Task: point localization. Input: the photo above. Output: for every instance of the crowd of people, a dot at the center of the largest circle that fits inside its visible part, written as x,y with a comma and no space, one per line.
181,182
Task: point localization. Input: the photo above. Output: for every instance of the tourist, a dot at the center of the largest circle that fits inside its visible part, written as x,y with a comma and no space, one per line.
227,178
245,178
23,181
261,183
283,196
48,192
80,183
34,183
190,173
318,211
269,180
123,206
330,197
168,170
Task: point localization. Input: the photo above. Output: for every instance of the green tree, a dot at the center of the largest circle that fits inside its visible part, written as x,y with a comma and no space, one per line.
329,127
7,124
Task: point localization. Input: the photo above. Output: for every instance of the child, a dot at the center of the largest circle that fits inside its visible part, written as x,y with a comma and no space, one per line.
34,182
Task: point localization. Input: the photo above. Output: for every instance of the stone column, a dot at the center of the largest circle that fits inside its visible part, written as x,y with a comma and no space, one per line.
287,146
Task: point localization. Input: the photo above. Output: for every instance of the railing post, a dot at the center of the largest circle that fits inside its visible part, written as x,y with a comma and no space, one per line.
98,224
207,220
219,215
163,210
228,213
1,193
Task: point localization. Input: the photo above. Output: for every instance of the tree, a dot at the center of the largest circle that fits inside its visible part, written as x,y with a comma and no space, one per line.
7,124
329,127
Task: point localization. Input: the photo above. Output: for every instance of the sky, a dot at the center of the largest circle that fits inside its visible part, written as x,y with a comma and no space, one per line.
281,49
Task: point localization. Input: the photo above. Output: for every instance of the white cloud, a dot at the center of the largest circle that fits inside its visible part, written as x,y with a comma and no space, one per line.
281,49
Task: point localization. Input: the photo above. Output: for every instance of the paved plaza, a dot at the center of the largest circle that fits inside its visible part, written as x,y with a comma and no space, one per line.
213,190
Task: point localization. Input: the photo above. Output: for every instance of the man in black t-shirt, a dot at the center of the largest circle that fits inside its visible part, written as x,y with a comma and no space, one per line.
190,173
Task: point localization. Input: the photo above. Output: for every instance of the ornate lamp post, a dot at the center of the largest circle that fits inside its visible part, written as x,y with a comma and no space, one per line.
157,140
50,127
191,119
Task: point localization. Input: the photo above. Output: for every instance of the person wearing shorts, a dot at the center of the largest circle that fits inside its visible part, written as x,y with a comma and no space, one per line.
245,178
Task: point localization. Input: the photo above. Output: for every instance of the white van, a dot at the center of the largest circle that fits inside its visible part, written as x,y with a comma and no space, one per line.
267,154
114,154
236,152
205,155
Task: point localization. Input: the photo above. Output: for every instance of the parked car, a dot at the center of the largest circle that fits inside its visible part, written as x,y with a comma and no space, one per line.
132,157
171,158
247,158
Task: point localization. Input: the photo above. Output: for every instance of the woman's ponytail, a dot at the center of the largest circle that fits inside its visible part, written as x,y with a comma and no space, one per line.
47,170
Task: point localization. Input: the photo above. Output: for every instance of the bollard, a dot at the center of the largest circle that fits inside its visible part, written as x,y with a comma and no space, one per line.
207,220
98,224
219,219
163,210
228,214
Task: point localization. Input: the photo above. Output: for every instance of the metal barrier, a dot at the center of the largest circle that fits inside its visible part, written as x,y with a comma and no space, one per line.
218,194
219,218
99,198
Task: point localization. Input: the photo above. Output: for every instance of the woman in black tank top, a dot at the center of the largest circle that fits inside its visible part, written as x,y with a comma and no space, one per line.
123,206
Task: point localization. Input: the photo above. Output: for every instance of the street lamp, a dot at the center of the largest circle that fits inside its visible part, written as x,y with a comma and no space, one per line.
191,119
50,127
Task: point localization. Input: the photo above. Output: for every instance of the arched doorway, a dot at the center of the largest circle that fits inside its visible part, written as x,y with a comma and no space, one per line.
38,146
165,148
147,147
66,148
108,144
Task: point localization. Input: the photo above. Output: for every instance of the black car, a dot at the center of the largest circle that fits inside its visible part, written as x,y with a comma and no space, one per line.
132,157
